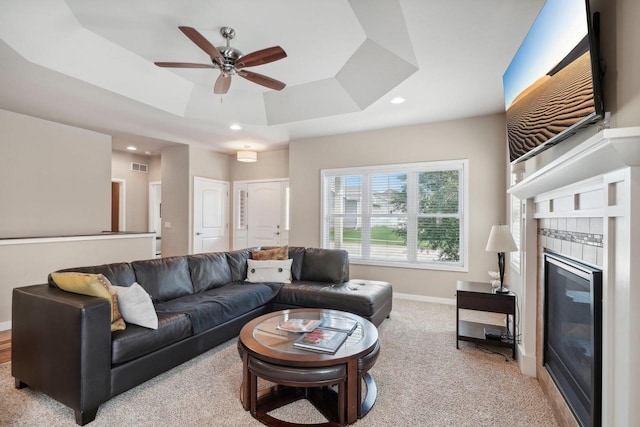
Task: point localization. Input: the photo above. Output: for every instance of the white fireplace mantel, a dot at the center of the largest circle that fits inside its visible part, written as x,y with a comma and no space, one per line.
610,162
606,151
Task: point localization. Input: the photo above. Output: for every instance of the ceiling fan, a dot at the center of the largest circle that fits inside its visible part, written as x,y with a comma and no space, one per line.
231,61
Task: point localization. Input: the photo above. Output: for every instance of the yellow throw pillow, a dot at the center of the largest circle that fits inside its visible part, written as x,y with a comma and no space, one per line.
280,253
94,285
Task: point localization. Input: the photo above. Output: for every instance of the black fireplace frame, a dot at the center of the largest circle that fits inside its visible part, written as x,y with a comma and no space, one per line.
552,364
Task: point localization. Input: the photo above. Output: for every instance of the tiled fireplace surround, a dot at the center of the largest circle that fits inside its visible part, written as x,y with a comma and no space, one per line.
586,205
581,239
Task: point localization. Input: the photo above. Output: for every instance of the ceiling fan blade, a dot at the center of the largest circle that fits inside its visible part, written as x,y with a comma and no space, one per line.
262,80
222,84
202,43
183,65
260,57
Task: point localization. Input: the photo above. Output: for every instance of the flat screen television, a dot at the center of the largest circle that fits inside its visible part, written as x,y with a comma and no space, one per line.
552,86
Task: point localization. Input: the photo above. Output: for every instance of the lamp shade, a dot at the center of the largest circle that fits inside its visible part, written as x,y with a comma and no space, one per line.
247,156
501,240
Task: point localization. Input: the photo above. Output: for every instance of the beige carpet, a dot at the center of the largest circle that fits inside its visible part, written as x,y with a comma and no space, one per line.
422,381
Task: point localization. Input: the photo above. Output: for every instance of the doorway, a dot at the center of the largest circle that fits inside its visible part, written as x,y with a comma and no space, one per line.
118,205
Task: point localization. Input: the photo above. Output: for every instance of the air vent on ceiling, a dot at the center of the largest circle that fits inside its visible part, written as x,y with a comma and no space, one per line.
139,167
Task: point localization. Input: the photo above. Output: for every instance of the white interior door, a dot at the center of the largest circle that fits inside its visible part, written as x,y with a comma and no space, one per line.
210,207
264,214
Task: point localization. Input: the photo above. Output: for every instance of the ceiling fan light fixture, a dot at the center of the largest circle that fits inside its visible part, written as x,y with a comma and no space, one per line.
247,156
230,61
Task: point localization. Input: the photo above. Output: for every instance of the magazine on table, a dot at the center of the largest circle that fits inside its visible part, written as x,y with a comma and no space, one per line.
321,340
299,325
339,324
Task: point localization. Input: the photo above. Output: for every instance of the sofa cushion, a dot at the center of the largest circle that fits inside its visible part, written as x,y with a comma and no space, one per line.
361,297
209,271
218,305
136,306
136,341
325,265
95,285
164,278
279,253
118,274
238,264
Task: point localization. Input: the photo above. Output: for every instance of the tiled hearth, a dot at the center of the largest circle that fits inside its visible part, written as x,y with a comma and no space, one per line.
586,205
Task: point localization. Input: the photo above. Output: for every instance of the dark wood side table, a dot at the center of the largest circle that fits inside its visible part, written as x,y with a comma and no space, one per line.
480,296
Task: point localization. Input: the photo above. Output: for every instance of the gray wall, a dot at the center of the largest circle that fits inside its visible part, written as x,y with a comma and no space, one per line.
175,200
480,139
619,48
272,164
54,179
208,164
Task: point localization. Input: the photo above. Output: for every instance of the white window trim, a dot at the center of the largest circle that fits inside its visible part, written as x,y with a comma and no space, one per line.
408,167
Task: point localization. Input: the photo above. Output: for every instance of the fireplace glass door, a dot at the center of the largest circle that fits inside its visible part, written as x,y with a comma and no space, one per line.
573,334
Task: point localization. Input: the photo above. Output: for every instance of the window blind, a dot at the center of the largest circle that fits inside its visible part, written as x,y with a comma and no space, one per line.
407,214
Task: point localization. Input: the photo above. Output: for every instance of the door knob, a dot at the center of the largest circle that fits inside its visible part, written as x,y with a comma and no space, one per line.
198,233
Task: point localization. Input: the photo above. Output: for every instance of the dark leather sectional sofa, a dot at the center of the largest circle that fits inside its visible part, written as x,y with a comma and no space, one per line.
62,344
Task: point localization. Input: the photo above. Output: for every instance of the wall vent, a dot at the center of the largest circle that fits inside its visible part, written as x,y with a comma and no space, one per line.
140,167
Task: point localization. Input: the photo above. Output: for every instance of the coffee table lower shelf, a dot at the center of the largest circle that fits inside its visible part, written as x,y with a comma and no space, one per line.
324,399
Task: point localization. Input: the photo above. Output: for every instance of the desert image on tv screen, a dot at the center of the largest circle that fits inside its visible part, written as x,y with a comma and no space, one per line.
549,85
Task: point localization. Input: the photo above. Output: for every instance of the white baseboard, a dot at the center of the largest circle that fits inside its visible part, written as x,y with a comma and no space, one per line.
5,326
412,297
527,363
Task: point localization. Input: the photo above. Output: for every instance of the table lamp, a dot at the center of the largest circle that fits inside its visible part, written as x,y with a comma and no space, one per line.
501,241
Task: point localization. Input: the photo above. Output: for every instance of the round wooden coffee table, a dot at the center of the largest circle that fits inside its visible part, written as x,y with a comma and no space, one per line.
269,353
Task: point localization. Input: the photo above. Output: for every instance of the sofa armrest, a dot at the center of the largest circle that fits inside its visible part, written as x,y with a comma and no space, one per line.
61,345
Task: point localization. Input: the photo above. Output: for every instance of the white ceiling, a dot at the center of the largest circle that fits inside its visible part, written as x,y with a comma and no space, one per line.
89,63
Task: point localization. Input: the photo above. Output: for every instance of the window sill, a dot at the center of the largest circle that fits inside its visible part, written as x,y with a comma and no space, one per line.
381,263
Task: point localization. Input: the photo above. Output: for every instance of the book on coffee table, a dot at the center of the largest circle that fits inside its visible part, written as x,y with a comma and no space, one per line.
321,340
299,325
339,324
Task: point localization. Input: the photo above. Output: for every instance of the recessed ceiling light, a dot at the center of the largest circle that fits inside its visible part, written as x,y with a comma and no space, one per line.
398,100
131,148
235,126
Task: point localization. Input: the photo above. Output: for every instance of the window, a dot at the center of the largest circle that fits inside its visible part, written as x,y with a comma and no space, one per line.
409,215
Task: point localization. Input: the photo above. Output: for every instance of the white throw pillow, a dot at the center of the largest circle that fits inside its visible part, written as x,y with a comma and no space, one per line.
269,271
136,306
